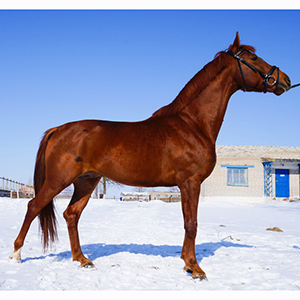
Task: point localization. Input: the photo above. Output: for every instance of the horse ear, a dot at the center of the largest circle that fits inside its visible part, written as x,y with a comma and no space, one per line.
236,44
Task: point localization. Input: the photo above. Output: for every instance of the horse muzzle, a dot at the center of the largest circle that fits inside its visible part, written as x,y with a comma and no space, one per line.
284,84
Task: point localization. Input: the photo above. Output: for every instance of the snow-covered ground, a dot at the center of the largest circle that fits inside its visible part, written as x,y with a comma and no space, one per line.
136,246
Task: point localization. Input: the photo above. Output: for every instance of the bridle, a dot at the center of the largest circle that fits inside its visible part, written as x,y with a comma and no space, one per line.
266,77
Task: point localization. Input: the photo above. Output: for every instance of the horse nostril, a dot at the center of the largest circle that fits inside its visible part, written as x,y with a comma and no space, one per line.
288,81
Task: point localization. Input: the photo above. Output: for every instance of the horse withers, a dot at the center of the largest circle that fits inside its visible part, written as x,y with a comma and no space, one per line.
174,147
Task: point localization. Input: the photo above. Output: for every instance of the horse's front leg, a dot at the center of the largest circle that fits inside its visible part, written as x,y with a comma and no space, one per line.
190,191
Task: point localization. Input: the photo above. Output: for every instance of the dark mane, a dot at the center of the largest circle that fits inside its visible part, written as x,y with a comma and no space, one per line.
198,83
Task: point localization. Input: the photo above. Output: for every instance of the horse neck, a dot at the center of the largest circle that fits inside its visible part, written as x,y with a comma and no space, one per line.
208,108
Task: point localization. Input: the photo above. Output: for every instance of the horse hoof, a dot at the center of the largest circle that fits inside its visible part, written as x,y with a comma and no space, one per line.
88,265
16,256
200,276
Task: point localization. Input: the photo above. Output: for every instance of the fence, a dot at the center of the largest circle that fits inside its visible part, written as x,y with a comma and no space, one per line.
15,189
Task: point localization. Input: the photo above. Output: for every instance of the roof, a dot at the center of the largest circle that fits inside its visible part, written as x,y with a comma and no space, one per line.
266,153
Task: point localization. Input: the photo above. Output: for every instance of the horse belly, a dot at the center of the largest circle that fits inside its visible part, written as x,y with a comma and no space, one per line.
137,164
139,170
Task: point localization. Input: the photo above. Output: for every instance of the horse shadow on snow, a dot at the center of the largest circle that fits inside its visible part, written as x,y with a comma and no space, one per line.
94,251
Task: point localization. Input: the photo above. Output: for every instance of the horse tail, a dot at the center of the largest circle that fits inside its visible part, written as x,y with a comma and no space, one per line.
47,216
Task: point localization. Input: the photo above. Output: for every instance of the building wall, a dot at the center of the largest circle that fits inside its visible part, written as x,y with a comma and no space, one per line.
294,184
216,184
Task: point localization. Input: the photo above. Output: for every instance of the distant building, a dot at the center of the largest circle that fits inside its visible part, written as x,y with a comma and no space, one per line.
166,196
254,174
26,191
134,196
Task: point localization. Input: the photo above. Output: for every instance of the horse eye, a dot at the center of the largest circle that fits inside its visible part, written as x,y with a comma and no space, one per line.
254,58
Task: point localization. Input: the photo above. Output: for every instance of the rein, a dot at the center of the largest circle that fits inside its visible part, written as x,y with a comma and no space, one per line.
266,77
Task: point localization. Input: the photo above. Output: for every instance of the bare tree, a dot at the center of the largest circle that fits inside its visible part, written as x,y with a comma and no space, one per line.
174,189
104,183
139,189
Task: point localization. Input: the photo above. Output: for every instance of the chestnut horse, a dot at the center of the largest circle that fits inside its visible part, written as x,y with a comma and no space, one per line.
174,147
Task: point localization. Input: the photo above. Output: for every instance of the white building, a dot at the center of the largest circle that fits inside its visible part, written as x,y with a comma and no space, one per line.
254,174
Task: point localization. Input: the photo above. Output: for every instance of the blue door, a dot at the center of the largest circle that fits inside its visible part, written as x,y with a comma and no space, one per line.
282,183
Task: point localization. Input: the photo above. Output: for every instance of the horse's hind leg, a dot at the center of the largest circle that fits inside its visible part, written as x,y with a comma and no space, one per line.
84,186
34,207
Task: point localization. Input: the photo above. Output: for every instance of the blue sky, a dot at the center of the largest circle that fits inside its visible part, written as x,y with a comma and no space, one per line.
61,66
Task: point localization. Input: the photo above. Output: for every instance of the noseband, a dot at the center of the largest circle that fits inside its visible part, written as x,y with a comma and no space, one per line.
266,77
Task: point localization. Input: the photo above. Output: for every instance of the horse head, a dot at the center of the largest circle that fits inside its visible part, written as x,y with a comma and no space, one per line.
254,74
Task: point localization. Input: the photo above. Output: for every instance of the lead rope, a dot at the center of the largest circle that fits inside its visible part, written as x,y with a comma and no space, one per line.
295,85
